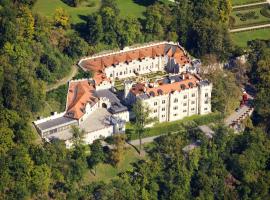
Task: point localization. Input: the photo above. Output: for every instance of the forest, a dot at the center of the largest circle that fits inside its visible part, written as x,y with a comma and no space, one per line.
36,51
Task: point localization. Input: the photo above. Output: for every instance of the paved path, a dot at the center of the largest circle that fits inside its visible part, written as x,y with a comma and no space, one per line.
74,70
144,140
241,112
251,4
249,28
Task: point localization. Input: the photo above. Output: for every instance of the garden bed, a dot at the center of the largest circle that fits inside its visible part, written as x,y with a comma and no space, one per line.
249,16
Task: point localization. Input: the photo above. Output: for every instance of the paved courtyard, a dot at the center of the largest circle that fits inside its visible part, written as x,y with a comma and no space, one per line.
96,121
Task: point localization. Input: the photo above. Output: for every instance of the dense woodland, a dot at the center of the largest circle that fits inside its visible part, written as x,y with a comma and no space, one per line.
36,51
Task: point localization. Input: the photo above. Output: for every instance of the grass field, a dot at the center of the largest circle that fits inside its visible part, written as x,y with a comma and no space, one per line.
48,7
242,38
130,8
241,2
170,127
127,8
106,172
250,21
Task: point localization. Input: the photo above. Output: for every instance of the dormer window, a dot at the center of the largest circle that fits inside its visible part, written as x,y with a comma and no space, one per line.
182,86
152,94
190,84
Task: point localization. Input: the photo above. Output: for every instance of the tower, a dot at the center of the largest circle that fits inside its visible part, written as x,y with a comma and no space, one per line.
127,86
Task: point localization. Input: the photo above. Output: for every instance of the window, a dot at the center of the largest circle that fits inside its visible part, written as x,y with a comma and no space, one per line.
163,116
185,96
175,100
117,74
155,103
193,95
110,75
192,109
163,101
120,73
206,95
184,111
175,114
205,108
192,102
155,110
175,107
206,102
163,109
184,104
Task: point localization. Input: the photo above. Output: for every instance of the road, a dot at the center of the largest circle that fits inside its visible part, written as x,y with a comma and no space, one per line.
73,72
144,140
251,4
249,28
243,111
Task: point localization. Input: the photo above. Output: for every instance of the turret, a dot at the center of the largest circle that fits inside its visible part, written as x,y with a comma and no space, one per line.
127,87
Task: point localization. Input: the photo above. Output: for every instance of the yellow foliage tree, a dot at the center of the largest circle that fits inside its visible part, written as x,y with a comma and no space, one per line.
61,18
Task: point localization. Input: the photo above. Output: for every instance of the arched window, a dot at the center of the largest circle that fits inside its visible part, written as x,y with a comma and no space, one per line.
190,84
152,94
183,86
160,92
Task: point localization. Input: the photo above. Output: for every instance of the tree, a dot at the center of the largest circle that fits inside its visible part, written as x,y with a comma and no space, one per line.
94,30
226,94
77,135
97,155
41,179
6,139
142,119
61,18
259,59
129,32
111,4
76,47
117,152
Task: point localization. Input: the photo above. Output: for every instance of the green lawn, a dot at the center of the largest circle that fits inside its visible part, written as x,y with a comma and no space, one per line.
170,127
106,172
241,38
130,8
48,7
241,2
249,21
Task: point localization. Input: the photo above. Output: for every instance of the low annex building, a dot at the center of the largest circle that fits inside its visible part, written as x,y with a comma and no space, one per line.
97,111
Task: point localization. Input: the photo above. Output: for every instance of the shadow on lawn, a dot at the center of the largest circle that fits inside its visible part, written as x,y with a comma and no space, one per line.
145,2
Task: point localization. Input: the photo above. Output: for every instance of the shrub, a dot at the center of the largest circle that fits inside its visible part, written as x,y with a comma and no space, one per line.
92,4
247,15
231,21
265,11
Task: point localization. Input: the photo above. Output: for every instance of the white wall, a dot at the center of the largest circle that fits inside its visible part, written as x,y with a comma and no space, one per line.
144,66
105,132
178,105
123,115
205,101
104,85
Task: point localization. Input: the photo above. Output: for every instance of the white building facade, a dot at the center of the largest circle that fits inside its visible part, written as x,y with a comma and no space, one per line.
170,104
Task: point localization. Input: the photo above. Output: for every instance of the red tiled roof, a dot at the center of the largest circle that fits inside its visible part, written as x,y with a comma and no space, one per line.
98,64
189,82
100,77
79,94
